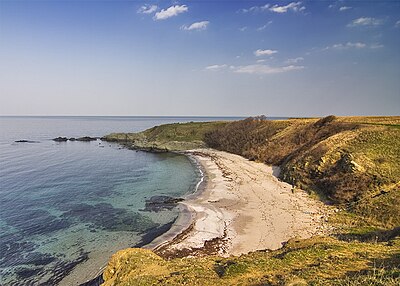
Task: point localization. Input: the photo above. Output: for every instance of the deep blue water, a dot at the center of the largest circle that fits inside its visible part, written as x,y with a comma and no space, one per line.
65,203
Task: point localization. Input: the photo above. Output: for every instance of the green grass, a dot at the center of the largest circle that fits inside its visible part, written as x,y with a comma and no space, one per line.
171,137
316,261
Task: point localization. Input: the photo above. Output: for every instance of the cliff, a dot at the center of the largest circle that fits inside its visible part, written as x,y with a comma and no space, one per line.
168,137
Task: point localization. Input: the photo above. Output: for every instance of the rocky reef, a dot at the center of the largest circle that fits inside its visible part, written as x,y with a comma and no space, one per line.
82,139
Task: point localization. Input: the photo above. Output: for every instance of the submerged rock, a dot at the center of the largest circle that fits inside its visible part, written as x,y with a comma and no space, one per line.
160,203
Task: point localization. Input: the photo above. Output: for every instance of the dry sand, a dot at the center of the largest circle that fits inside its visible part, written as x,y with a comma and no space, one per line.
244,208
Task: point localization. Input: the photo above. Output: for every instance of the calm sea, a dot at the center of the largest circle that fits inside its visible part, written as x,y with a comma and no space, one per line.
65,203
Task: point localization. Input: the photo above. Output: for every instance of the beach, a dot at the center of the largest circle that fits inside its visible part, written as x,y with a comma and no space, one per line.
243,207
239,206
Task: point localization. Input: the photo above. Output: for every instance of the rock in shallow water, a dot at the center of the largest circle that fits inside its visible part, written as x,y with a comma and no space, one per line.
160,203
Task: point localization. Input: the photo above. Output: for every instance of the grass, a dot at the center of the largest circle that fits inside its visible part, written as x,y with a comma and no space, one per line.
316,261
169,137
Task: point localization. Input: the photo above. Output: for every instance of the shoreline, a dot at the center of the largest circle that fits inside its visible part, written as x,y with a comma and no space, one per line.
243,208
214,219
181,224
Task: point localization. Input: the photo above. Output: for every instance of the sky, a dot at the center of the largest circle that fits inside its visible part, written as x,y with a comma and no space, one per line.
199,58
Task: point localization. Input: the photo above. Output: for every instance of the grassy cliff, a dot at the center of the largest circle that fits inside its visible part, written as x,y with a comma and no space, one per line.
167,137
351,162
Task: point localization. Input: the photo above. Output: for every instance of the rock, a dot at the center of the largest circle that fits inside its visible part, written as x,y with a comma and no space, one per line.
60,139
348,164
25,141
86,139
159,203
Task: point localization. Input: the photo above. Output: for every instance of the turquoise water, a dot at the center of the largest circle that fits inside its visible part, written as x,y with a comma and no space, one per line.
61,203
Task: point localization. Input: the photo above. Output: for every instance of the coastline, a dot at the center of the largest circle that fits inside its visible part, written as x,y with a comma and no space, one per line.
216,219
80,276
243,207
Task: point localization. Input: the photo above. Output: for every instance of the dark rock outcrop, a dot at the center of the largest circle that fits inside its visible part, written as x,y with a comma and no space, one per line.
60,139
25,141
86,139
160,203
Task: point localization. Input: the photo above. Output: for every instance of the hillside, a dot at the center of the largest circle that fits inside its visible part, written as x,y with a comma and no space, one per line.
350,162
167,137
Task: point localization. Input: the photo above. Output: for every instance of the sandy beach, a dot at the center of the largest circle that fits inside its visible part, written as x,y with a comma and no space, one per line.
239,207
243,208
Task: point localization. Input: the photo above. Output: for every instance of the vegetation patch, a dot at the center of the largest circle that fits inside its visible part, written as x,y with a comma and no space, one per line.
315,261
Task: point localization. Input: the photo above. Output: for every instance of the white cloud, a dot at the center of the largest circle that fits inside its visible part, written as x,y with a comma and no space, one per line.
260,61
260,53
264,26
147,9
171,12
397,25
256,8
216,67
294,61
294,6
242,29
348,45
199,26
264,69
344,8
365,21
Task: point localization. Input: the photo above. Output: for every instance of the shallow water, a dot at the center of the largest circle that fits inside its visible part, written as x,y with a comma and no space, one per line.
62,203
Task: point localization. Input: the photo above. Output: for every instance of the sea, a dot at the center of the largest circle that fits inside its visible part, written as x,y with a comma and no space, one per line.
65,205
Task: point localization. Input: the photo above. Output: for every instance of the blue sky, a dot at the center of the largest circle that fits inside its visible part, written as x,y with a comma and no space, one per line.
278,58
